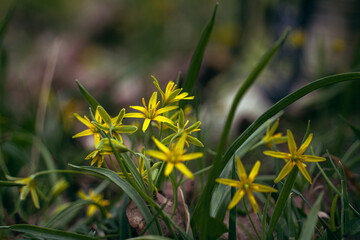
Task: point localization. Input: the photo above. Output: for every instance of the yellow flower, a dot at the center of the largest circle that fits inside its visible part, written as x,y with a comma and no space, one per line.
114,125
171,94
245,185
92,127
181,129
151,112
175,156
295,157
104,148
29,186
97,198
270,138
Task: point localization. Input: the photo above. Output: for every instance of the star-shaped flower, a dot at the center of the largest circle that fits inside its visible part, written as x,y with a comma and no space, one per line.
181,129
271,138
174,156
97,198
246,185
29,186
151,112
92,127
171,94
295,157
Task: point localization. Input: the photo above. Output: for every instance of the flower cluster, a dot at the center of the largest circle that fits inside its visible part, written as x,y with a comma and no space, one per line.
296,158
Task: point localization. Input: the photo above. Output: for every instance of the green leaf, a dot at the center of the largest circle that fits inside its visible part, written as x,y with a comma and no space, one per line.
310,222
5,23
70,211
127,188
345,216
218,163
355,130
10,184
281,201
48,233
196,59
90,99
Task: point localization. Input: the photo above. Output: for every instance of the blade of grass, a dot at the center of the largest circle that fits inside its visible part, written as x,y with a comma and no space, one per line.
196,59
200,219
345,217
232,215
48,233
310,223
281,201
70,211
128,189
90,99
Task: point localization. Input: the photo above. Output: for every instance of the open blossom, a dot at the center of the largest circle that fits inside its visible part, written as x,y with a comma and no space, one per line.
171,94
174,156
246,185
271,138
296,157
97,198
29,186
151,112
92,127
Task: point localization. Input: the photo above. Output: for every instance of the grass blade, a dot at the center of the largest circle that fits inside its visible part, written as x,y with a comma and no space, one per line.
310,223
281,201
219,164
70,211
345,216
128,189
196,59
48,233
90,99
10,184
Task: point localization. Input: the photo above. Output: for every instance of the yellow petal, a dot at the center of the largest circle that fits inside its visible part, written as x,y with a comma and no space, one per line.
157,154
166,109
304,172
254,172
237,197
191,156
278,154
291,142
229,182
91,210
83,120
311,158
161,146
152,101
305,145
139,108
285,171
182,168
168,169
274,127
86,132
262,188
134,115
253,202
241,170
146,124
162,119
34,197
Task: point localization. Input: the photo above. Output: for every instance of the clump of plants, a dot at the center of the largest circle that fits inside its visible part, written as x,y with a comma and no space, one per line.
144,148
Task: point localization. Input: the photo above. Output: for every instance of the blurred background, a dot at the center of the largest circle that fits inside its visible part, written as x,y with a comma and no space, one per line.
113,47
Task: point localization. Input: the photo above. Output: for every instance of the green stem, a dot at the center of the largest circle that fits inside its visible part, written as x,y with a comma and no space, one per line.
232,215
251,221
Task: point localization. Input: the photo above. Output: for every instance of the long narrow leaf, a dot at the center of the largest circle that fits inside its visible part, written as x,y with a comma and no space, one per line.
48,233
90,99
311,220
281,201
196,60
215,172
128,189
345,217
